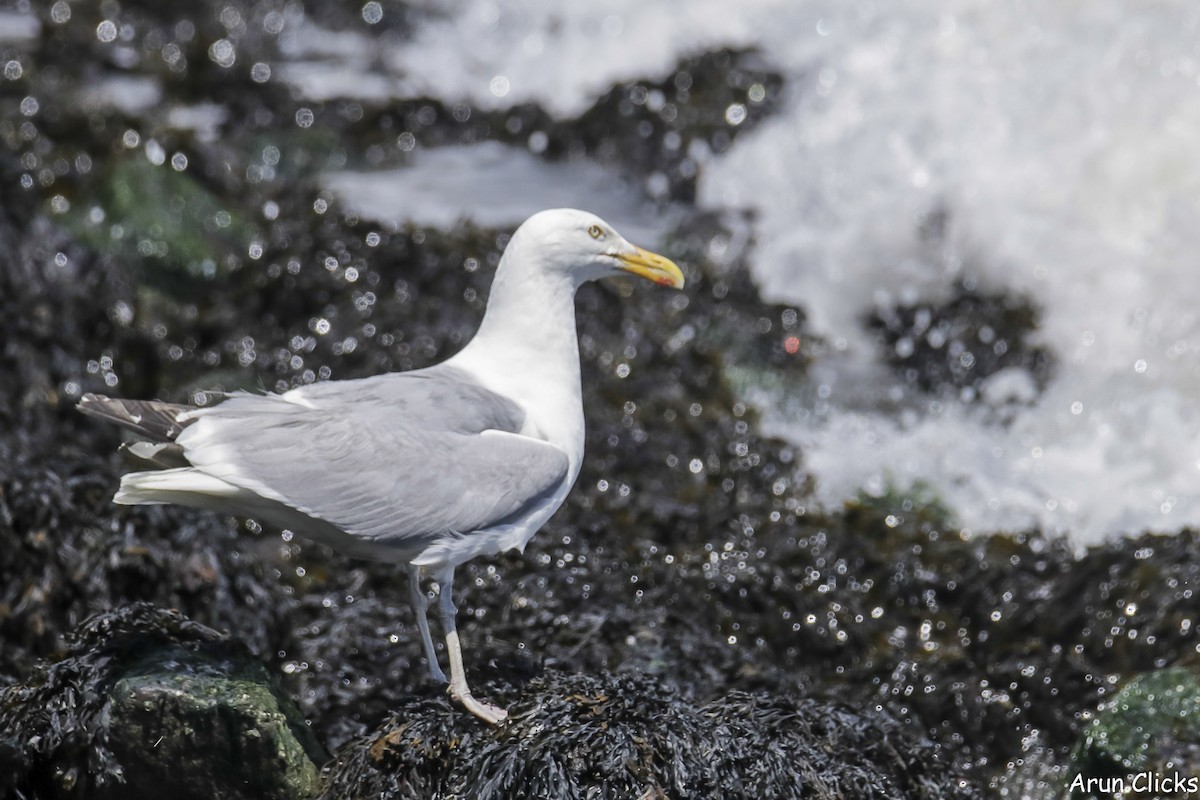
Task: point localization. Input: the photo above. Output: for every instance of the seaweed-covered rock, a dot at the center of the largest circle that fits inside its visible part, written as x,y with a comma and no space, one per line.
65,308
150,703
663,131
657,132
956,344
1151,726
574,736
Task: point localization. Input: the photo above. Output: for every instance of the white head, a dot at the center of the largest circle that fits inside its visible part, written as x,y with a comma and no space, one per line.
586,247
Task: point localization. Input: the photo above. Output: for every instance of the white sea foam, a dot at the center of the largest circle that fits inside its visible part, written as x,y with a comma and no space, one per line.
491,184
1060,145
18,26
128,94
1059,139
562,56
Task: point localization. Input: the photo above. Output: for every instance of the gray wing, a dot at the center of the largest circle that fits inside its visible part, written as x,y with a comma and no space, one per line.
407,457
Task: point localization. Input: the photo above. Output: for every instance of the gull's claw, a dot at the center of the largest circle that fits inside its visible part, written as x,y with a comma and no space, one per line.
493,715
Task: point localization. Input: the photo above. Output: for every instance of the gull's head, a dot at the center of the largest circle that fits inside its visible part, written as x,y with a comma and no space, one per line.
585,247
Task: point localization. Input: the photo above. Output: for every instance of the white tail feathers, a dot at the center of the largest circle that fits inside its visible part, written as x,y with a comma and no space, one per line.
184,485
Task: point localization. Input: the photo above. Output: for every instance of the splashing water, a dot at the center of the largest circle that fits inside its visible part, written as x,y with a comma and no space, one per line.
1057,146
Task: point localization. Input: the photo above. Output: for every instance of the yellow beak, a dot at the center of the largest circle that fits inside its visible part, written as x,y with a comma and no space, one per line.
652,267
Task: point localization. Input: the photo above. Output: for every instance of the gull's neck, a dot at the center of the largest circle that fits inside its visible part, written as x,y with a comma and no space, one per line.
527,347
530,311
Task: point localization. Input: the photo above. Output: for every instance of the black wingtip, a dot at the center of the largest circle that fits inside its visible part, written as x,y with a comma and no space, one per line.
150,418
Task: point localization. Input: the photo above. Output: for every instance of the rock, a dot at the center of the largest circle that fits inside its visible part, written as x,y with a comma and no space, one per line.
172,227
661,133
658,132
956,344
149,703
1151,726
627,735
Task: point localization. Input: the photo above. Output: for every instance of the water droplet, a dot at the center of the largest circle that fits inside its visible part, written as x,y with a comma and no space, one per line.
155,153
372,13
223,53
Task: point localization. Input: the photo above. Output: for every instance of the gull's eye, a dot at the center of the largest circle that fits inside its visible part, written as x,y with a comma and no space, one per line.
596,232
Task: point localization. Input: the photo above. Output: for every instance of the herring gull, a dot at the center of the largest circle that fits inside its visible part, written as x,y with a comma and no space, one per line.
427,468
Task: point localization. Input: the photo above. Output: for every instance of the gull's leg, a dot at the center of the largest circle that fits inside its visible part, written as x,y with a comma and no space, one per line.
459,691
420,605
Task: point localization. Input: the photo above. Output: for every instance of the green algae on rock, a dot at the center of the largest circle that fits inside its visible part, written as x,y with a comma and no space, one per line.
1152,725
164,223
148,702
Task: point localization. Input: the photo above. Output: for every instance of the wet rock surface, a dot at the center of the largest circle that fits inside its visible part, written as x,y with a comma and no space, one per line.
1150,726
571,735
687,575
956,345
655,133
148,703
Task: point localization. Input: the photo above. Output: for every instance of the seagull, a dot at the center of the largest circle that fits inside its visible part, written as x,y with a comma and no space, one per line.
426,468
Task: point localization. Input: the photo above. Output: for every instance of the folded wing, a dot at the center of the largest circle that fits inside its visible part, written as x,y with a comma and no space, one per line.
399,459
